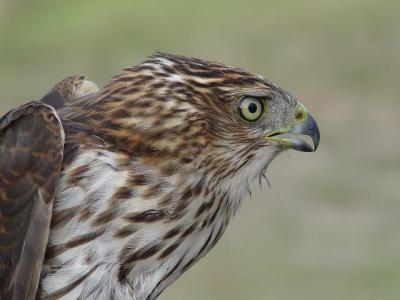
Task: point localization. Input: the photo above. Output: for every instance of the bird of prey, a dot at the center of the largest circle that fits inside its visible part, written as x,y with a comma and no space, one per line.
114,193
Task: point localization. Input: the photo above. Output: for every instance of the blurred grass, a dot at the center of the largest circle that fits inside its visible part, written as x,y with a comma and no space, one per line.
329,227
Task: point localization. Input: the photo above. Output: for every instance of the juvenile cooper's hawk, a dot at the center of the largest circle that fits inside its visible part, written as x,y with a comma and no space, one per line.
127,187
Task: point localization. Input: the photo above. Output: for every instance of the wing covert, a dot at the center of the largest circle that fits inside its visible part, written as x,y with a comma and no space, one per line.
69,89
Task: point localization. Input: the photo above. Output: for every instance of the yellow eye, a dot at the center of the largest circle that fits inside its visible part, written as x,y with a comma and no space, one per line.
251,108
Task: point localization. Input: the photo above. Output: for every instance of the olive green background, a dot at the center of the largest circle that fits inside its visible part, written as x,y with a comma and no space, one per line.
329,226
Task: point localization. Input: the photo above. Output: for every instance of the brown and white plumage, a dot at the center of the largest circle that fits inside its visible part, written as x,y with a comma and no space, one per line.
31,148
155,164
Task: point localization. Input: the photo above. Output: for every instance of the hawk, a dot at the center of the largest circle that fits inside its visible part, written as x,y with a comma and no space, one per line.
114,193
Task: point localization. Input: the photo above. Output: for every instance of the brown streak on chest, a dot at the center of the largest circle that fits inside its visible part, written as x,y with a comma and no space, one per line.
169,250
126,231
141,254
148,216
55,250
63,216
76,175
105,217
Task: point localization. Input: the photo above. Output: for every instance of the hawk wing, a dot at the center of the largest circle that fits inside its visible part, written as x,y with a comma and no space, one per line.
68,89
31,153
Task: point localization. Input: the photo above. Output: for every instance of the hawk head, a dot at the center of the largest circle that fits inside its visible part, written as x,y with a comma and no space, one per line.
216,124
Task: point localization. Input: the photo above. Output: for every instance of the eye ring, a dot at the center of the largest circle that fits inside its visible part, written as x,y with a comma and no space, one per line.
251,108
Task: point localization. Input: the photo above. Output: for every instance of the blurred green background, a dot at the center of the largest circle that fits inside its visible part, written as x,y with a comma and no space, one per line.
329,228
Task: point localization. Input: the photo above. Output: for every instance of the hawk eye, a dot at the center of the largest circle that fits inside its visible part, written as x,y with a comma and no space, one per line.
251,108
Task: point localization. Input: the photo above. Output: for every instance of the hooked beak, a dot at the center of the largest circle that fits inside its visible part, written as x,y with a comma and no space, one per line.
305,126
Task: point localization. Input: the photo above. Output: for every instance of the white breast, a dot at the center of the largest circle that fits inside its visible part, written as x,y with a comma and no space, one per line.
90,268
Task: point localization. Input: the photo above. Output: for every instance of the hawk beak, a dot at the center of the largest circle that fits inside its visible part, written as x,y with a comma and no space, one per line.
310,128
304,125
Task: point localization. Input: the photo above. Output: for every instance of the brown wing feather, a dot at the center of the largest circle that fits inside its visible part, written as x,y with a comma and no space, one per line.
31,153
63,91
68,89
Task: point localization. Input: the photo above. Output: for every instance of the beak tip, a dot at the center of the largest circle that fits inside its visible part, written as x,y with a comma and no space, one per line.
313,131
316,142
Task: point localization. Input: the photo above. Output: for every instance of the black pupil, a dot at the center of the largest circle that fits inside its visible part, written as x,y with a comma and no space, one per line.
252,108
